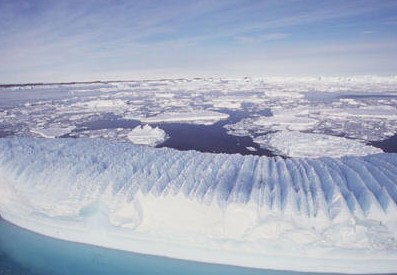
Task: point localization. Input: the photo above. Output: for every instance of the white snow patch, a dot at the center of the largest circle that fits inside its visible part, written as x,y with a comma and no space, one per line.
292,120
53,132
101,104
147,135
227,104
385,112
234,102
164,95
298,144
252,149
195,117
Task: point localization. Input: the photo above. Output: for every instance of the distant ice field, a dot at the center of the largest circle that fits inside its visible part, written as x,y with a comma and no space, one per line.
246,116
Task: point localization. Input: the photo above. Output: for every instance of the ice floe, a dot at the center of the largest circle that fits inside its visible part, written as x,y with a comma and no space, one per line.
294,120
298,144
52,132
196,117
102,104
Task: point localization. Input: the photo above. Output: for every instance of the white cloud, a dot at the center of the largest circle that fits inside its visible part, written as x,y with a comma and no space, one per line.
262,38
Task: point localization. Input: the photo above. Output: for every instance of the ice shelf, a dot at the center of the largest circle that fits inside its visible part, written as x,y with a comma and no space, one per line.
325,214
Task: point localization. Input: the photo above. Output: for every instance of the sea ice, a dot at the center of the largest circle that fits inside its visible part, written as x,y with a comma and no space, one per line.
101,104
195,117
227,105
53,132
147,135
326,214
298,144
252,149
359,107
294,120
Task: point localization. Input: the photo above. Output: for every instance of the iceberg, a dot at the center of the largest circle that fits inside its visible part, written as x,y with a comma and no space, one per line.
324,215
147,135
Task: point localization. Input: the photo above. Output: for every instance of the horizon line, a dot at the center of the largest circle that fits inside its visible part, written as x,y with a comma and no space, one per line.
41,83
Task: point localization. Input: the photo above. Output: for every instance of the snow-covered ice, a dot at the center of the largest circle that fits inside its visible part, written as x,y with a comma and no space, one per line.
147,135
298,144
194,116
292,119
100,105
52,132
325,214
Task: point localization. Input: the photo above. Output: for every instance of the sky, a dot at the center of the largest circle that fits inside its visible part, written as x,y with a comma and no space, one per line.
62,41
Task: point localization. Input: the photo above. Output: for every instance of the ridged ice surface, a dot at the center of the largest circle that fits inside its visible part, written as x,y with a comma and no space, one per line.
313,214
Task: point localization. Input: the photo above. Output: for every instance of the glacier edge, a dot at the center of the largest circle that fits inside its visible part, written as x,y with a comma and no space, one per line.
327,215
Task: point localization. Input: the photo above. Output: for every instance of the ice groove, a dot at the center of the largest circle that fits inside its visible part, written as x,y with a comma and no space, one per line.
386,177
371,183
341,181
358,187
304,186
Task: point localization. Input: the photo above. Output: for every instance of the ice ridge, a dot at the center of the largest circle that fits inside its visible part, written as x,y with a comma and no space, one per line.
306,205
298,184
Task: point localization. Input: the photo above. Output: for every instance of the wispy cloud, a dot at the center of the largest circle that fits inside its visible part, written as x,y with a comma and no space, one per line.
71,37
249,40
368,32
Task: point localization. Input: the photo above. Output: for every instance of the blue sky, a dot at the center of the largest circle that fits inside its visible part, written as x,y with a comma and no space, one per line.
50,40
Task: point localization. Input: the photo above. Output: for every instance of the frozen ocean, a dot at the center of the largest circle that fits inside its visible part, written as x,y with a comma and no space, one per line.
203,175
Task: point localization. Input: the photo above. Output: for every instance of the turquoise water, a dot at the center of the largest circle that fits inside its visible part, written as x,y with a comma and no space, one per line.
27,253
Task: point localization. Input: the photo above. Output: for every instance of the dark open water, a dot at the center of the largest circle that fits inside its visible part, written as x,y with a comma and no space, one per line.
207,138
183,136
388,145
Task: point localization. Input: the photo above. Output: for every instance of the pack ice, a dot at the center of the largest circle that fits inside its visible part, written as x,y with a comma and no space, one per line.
325,214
